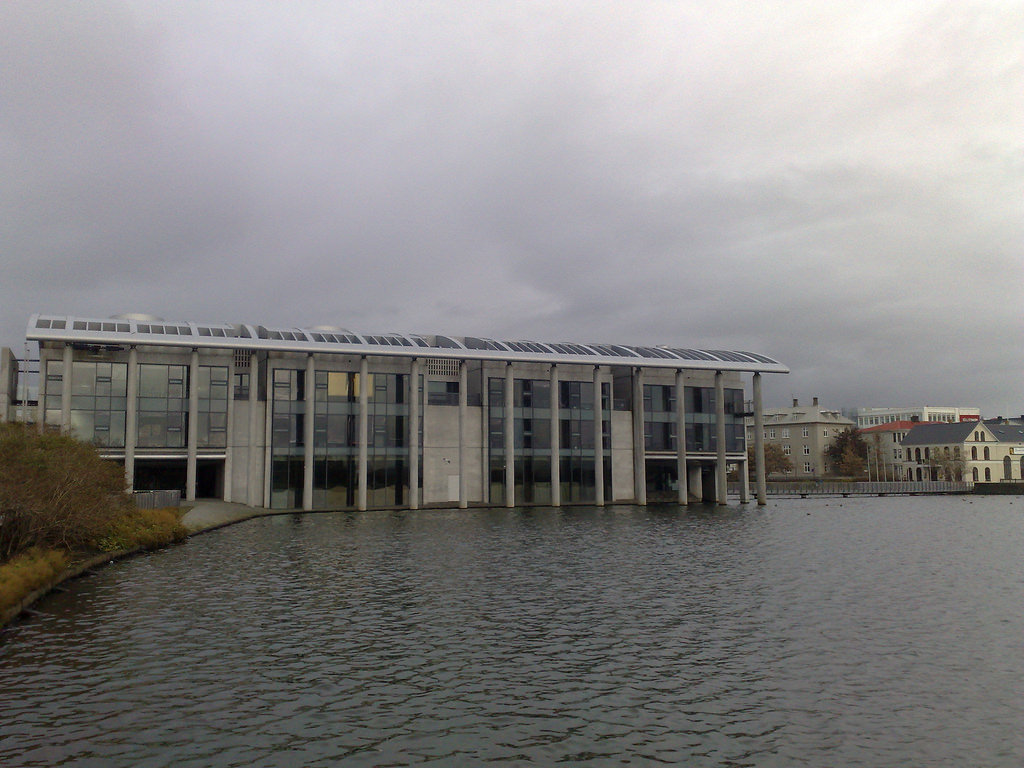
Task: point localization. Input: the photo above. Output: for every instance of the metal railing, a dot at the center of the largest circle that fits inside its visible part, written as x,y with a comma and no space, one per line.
839,488
157,499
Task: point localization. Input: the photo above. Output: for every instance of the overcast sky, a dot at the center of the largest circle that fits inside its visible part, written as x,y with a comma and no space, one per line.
839,185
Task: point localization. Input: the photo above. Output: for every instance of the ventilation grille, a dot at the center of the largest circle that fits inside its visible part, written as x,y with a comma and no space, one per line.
444,366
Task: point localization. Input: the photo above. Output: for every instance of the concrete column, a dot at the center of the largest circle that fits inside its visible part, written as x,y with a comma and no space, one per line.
720,480
639,449
598,440
308,434
744,482
253,490
510,466
556,442
41,396
193,426
67,382
695,481
229,440
364,400
414,433
131,417
463,423
759,443
683,481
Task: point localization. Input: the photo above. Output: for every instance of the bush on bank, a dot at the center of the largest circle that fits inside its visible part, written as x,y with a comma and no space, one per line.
60,502
55,491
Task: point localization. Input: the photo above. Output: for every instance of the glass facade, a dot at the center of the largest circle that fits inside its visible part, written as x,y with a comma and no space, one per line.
212,389
532,440
163,406
287,438
54,391
99,399
335,414
387,472
660,419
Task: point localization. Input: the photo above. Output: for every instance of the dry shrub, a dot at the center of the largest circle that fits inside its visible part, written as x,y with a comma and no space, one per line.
27,572
55,491
146,528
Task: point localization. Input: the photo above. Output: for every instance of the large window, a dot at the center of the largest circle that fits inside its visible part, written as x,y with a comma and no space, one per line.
287,438
700,420
163,406
213,406
98,402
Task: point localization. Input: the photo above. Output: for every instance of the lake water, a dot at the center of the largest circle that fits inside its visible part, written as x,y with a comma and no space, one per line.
820,632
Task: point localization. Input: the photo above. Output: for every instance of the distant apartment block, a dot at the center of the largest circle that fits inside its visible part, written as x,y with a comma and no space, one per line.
803,432
873,417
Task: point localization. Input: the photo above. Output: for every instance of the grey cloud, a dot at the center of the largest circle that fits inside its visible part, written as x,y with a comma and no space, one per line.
838,186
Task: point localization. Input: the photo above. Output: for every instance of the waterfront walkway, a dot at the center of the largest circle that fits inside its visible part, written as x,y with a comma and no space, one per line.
208,514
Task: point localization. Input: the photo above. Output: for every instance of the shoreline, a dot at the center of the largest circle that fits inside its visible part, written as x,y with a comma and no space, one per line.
203,517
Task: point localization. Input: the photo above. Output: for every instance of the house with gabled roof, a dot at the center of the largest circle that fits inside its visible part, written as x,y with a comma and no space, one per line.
982,451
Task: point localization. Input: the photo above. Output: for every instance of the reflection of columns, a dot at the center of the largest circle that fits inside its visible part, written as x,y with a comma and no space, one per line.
720,478
193,426
463,421
681,481
65,392
759,443
556,441
229,441
308,434
253,491
639,449
131,417
510,444
364,400
598,440
414,433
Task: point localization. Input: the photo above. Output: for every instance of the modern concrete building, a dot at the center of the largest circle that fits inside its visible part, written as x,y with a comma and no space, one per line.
982,451
873,417
324,418
803,432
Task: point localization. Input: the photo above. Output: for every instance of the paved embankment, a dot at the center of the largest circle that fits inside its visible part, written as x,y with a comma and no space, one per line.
206,515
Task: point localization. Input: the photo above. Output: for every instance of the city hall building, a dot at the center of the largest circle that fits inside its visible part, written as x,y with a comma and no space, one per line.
325,418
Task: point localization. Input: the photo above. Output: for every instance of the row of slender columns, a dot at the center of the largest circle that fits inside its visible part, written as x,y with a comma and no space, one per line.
255,498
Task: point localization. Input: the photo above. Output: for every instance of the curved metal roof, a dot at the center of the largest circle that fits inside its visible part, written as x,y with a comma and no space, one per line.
140,329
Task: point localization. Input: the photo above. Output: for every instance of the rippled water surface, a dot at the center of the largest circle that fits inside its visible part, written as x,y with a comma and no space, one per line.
851,632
